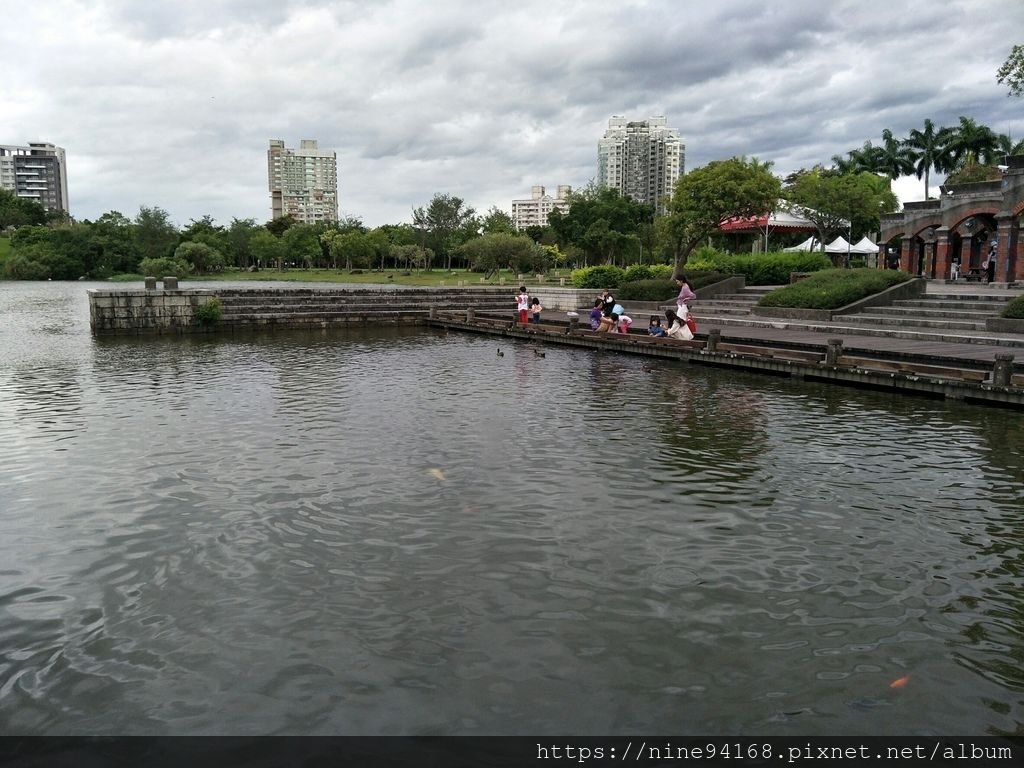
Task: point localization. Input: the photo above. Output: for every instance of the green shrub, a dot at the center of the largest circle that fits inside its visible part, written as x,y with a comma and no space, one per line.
20,267
209,313
833,288
647,290
663,289
165,267
1015,309
759,268
662,271
597,277
638,272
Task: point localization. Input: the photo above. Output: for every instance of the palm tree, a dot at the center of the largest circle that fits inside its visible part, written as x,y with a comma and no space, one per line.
930,150
971,144
1005,146
843,164
867,158
895,158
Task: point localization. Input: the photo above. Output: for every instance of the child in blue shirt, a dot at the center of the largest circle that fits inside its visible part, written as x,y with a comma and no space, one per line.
655,328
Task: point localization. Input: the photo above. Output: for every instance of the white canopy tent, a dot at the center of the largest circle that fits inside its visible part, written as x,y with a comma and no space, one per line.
839,245
864,246
810,244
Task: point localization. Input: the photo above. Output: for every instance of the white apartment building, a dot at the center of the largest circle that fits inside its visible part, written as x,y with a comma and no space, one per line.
303,182
37,171
642,159
533,211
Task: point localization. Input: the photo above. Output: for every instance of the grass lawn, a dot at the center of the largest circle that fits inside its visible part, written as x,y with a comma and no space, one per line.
434,278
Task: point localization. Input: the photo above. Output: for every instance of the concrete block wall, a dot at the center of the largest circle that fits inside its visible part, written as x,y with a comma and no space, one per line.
141,311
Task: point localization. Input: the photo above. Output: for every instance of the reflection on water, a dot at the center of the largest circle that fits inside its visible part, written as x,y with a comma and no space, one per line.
391,531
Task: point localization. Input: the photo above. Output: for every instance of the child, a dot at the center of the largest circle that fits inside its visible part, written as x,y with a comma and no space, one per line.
595,314
655,328
625,321
536,308
678,328
523,304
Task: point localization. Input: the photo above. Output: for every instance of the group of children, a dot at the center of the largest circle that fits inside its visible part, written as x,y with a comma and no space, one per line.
529,309
608,315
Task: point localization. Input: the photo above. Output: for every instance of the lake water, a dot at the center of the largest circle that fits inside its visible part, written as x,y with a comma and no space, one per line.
397,531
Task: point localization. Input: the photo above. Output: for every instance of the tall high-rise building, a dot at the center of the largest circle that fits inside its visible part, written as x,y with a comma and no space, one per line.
37,172
642,159
303,182
533,211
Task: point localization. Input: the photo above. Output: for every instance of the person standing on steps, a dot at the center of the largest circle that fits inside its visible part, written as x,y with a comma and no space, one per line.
990,263
523,305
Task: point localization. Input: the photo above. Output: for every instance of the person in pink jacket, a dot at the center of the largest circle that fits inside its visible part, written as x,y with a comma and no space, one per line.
686,295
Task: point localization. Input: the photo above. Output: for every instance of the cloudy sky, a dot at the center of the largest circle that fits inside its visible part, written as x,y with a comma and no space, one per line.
172,104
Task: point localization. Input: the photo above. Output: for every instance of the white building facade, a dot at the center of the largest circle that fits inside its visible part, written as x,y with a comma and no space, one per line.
36,171
303,182
642,159
533,211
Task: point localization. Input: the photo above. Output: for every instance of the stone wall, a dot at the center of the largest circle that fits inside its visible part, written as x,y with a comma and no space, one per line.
145,311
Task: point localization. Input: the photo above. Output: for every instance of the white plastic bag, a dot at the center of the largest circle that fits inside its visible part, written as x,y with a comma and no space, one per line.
682,312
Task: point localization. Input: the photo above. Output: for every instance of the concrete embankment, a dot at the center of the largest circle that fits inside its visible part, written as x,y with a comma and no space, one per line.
170,309
925,372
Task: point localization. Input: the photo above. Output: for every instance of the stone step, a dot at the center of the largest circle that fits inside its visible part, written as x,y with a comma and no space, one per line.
899,322
998,297
841,329
986,306
723,303
932,314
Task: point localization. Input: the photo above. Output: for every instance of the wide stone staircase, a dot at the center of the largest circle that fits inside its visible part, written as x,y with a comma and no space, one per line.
938,315
321,307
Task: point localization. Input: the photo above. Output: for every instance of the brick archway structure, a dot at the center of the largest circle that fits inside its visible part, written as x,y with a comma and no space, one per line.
935,232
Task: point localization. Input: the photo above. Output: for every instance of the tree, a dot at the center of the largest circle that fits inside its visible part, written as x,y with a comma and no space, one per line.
202,257
971,143
206,231
355,248
239,241
497,221
302,244
707,196
114,238
281,224
850,203
411,256
266,248
155,236
1011,74
896,159
868,158
1006,146
929,150
501,250
446,223
18,211
599,222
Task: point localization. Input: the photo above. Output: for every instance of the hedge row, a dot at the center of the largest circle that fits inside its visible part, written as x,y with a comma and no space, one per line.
759,268
833,288
664,290
613,277
1015,309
